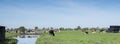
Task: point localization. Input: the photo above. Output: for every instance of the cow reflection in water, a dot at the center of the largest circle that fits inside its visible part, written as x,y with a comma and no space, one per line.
28,36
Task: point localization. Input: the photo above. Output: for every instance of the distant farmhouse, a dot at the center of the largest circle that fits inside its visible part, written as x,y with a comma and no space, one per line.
114,29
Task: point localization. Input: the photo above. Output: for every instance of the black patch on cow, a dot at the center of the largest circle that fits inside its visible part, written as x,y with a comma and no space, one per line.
86,32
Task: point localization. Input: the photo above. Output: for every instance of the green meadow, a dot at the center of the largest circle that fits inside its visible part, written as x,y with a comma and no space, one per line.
78,37
10,39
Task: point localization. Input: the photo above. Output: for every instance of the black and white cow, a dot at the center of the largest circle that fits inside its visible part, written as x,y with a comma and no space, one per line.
51,32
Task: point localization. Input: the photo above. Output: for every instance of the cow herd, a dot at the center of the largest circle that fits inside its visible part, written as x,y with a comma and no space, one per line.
93,30
84,30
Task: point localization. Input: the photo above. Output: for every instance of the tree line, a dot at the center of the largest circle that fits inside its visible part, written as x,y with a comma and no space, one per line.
23,28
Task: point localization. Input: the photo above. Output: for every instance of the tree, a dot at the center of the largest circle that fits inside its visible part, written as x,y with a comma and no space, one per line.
11,29
51,27
78,28
22,29
61,28
68,29
97,28
7,30
43,28
36,28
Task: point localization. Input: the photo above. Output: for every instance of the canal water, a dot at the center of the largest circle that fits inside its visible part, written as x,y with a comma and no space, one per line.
27,39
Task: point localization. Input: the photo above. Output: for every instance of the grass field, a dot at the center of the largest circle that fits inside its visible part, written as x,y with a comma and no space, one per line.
77,37
9,38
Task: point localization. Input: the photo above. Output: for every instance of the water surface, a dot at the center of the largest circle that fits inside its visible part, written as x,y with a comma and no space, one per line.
27,39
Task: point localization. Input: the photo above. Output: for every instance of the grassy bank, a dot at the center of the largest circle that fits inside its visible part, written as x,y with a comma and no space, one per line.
77,37
9,39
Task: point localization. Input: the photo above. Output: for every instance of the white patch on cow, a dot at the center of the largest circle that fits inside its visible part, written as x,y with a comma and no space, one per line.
93,32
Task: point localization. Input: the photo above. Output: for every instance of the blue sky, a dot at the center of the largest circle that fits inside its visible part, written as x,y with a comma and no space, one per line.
59,13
